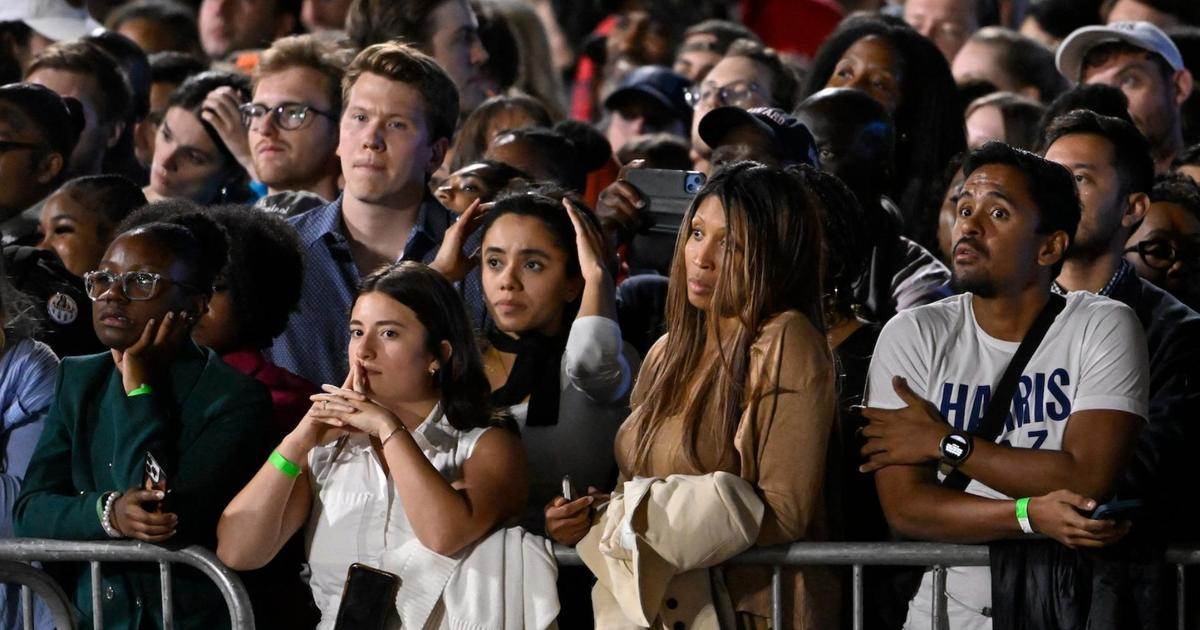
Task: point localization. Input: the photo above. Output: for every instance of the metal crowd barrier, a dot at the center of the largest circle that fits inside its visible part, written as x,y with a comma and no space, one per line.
15,552
858,555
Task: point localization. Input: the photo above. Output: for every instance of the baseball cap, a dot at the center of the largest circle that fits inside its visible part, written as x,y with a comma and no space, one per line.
658,83
54,19
1143,35
791,138
61,119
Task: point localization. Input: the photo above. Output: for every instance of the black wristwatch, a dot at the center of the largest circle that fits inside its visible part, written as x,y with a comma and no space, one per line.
956,447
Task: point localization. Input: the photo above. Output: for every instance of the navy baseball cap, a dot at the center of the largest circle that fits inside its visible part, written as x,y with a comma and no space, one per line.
793,141
658,83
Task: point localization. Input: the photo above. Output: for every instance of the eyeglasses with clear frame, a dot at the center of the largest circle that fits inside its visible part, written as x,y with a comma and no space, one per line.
737,94
135,285
289,116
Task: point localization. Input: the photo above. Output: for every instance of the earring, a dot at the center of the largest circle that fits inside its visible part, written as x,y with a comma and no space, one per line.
433,370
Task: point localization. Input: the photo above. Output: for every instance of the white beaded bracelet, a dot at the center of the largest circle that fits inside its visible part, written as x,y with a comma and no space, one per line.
106,518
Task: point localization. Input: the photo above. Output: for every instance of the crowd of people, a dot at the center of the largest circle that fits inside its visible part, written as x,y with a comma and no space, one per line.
376,299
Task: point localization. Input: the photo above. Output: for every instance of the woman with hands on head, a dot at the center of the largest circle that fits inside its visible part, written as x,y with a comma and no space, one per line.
155,393
403,458
554,358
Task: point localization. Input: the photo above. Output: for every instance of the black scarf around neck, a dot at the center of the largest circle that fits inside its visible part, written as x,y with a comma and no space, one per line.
534,374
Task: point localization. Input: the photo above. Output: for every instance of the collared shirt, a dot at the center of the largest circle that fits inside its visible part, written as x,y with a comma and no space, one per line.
357,515
1124,269
314,344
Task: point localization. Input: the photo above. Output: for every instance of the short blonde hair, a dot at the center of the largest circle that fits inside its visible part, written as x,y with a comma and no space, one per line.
405,64
308,51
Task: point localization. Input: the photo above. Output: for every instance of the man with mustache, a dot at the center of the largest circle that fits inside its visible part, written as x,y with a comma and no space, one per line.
400,110
1114,174
292,123
1078,405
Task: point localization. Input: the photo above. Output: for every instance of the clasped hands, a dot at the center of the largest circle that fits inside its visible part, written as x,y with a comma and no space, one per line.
348,409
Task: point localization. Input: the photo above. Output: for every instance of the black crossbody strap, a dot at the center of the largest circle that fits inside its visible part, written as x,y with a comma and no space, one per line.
992,423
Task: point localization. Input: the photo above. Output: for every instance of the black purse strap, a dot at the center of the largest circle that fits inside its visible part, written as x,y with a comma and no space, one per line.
992,423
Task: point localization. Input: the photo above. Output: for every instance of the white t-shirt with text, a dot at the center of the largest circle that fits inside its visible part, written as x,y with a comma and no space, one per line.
1092,357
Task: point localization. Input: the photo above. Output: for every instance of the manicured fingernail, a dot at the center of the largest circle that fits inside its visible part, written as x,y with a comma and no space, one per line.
160,495
590,500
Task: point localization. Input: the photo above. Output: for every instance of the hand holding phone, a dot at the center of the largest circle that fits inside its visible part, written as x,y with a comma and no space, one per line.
155,478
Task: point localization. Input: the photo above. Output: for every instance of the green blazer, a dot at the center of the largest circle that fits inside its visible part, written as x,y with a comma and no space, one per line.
205,425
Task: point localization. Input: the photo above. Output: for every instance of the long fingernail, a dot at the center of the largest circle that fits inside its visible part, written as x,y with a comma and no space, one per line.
160,495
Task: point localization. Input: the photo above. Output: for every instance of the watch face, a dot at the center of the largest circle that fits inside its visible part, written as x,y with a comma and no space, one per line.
954,448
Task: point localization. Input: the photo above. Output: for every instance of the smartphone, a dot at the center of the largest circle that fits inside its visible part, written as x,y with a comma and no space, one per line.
154,478
368,598
668,194
1116,510
568,489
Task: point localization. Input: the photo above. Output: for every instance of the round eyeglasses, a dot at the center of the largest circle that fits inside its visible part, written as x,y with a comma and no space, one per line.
289,116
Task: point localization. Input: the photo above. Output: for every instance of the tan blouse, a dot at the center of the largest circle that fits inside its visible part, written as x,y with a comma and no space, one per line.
781,446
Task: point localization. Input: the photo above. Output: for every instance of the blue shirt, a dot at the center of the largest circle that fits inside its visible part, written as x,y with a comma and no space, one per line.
318,334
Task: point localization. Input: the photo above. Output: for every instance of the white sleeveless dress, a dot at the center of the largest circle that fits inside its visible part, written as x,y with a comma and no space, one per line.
356,515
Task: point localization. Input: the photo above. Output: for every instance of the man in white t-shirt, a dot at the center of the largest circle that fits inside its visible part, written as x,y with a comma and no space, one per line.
1079,404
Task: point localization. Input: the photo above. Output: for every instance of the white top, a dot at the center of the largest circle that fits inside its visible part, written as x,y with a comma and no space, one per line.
1092,357
356,515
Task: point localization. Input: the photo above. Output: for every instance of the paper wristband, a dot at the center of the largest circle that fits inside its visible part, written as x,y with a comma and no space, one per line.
1023,515
286,467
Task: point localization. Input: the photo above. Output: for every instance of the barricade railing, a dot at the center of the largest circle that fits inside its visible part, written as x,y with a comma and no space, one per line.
858,555
15,553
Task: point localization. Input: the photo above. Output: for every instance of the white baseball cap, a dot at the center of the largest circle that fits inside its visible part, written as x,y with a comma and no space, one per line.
53,19
1143,35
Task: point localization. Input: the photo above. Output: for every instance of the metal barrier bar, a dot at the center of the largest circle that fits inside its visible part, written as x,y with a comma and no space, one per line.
97,603
168,603
241,615
35,581
856,581
938,613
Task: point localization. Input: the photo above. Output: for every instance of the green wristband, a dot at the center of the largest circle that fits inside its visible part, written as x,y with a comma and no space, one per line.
1023,515
141,390
284,465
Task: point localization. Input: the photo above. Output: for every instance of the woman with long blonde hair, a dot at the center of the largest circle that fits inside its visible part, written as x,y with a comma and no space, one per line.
743,381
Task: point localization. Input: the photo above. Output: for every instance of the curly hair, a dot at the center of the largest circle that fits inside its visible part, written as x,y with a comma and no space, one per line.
264,274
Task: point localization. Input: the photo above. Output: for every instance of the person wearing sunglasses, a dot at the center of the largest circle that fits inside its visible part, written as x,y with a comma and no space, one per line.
153,393
1165,247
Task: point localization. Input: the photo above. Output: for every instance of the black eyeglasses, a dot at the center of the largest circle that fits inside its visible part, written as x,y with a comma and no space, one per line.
1160,253
135,285
12,145
289,116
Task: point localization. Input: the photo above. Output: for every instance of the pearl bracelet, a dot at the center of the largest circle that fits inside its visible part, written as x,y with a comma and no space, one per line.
106,517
